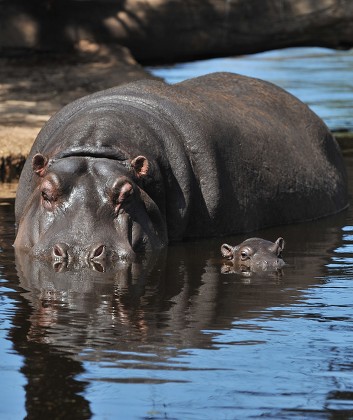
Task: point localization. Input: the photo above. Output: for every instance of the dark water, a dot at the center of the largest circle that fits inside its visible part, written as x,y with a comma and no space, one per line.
174,338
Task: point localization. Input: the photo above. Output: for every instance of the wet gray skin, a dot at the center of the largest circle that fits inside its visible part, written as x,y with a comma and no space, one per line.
91,211
255,254
126,171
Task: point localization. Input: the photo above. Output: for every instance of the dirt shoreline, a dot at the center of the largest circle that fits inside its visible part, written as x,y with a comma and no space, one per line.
34,87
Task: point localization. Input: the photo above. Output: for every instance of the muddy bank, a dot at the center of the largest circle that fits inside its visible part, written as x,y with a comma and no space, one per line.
33,87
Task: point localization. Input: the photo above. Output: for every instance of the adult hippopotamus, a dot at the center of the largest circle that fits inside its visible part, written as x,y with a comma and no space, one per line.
255,254
131,168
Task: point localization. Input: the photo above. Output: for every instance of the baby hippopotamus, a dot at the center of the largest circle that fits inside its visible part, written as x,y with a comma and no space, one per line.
255,254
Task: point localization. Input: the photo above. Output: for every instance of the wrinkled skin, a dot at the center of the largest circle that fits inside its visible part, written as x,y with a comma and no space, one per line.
127,170
255,254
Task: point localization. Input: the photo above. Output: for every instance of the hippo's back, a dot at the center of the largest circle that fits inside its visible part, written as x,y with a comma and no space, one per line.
261,156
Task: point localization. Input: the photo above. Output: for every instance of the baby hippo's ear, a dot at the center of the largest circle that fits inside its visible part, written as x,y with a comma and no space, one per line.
39,164
227,251
280,243
278,246
140,165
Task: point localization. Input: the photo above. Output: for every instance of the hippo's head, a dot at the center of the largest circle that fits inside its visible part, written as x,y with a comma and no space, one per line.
89,209
255,254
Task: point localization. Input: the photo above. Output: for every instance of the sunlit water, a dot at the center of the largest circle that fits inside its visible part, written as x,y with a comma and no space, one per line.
175,338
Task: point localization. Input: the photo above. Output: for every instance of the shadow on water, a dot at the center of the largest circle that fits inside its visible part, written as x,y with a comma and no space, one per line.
149,325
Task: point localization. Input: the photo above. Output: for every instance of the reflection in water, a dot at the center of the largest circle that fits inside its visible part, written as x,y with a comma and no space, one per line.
74,308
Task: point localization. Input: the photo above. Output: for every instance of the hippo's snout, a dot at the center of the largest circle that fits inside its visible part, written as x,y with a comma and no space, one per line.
98,253
267,264
94,257
59,252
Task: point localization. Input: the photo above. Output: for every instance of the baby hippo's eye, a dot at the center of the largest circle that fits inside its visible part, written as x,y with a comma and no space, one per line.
245,254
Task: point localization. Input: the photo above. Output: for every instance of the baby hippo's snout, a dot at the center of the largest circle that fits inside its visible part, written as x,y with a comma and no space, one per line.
255,254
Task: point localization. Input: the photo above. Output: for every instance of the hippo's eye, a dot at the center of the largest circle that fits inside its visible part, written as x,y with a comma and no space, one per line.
49,192
47,199
245,254
45,196
122,195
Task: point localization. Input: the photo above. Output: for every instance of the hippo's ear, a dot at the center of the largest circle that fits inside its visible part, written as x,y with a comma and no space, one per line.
39,163
140,165
278,246
280,243
227,251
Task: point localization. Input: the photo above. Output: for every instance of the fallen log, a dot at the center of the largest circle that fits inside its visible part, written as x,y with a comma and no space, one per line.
171,30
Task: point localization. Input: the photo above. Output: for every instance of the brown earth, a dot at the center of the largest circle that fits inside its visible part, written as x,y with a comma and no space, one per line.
34,87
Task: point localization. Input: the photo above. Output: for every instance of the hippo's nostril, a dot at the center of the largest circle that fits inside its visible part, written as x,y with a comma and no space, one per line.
60,252
98,253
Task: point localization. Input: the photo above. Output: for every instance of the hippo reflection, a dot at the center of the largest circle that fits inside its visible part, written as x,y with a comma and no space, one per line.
255,254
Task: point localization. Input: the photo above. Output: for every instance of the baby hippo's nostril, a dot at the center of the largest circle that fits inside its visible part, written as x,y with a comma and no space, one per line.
59,252
98,252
